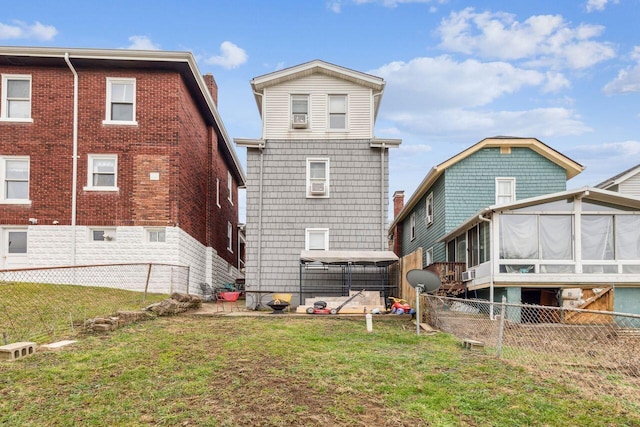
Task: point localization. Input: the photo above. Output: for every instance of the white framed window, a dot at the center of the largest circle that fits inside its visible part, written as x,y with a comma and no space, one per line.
102,234
412,225
505,190
338,112
121,101
14,178
428,210
316,239
218,192
156,235
230,186
102,172
318,177
16,242
299,111
229,237
16,98
429,256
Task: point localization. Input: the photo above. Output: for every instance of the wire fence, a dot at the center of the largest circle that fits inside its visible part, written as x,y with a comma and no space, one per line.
53,303
597,352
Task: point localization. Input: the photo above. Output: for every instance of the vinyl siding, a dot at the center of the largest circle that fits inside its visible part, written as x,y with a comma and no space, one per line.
277,109
631,186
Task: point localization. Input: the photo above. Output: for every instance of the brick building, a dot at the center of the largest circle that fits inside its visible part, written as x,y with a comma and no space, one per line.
112,156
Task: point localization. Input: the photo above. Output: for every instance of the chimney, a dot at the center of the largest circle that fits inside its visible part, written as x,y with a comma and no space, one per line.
398,202
212,86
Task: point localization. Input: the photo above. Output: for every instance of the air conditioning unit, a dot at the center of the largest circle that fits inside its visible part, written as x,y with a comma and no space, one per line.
428,219
468,275
299,121
317,188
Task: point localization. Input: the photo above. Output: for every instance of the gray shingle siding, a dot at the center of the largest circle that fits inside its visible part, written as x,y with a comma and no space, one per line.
352,213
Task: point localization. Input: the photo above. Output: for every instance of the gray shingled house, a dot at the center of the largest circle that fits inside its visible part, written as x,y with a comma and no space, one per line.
317,181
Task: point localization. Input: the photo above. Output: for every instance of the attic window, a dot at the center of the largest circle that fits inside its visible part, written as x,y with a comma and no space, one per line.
505,150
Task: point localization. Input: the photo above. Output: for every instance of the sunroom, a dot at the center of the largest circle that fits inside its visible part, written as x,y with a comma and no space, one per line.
586,238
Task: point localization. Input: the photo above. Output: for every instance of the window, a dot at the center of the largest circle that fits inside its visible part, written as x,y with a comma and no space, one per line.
230,186
157,235
229,237
316,239
218,192
429,256
299,111
338,112
16,98
505,190
103,234
412,225
17,242
318,177
428,210
121,101
14,177
102,172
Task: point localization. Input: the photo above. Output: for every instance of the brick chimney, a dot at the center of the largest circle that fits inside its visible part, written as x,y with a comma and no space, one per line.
398,202
212,86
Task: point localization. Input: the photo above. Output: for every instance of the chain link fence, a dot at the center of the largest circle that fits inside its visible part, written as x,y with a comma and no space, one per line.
53,303
595,351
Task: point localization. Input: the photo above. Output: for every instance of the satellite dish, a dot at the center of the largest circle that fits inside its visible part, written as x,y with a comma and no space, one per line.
426,280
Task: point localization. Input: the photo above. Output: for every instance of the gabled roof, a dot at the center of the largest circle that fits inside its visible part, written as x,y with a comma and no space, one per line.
571,167
590,193
621,177
258,84
181,62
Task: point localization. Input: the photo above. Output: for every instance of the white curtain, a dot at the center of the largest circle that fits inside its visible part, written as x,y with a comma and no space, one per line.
518,237
555,237
597,237
627,237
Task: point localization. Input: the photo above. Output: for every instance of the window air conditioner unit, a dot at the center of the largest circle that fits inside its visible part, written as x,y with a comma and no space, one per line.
428,219
299,121
468,275
317,188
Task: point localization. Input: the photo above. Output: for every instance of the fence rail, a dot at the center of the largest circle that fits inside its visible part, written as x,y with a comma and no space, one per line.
52,303
591,350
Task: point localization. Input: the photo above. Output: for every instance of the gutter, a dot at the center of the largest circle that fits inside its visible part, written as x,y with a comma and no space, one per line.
74,188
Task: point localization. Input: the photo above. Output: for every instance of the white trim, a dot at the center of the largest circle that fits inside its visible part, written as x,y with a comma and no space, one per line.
150,230
90,159
300,96
229,237
3,180
346,112
326,181
511,180
309,231
108,233
428,218
412,225
4,110
122,80
230,187
429,256
218,192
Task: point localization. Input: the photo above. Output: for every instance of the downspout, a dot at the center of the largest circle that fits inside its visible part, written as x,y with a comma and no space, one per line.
382,194
491,288
261,148
74,188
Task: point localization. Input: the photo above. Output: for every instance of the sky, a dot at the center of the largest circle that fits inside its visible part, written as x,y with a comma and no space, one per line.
566,72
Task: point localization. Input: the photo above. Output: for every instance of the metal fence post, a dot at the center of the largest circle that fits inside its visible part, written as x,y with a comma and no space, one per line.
501,328
146,285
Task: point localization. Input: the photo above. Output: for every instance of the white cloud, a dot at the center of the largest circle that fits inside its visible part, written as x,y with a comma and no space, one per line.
22,30
428,84
544,40
336,5
627,80
598,5
142,43
231,56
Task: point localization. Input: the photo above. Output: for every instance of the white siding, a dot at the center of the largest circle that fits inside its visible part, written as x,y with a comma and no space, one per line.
277,109
631,186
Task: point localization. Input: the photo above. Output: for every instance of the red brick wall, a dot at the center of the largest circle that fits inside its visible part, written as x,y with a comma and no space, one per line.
171,138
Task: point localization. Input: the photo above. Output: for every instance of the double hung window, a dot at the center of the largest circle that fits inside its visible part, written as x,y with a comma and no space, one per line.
121,101
102,172
14,177
318,177
16,98
338,112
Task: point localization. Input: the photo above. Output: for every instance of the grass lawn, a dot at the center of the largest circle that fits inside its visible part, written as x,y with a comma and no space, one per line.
286,371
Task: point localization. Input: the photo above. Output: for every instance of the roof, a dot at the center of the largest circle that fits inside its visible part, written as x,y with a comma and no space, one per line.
378,258
258,84
621,177
571,167
590,193
181,62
